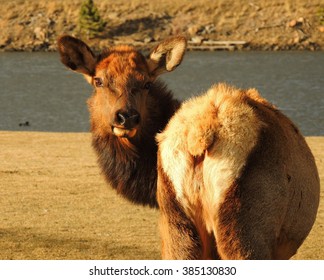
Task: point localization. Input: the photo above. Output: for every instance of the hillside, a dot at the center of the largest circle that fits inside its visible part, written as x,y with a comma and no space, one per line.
268,25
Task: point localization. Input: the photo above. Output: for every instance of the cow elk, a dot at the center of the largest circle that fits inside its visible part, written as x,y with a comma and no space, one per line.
233,177
236,179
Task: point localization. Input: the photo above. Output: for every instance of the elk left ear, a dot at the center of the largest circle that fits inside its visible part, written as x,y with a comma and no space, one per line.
76,55
167,55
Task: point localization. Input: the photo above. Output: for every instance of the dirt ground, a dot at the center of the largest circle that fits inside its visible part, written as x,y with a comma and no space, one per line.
34,25
54,204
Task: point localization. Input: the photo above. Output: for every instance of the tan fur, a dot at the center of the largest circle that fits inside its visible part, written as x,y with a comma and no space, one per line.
236,166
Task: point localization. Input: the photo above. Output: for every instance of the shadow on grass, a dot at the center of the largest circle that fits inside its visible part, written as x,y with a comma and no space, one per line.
26,244
132,26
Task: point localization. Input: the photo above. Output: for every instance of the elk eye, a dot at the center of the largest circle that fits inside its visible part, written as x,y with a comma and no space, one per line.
148,85
98,82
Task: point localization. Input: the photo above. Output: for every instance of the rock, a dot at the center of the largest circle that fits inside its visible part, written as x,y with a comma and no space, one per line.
5,41
148,40
296,23
210,28
50,22
197,39
40,34
292,23
193,30
276,48
301,20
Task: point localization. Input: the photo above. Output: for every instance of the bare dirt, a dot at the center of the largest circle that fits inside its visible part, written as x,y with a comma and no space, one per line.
55,204
268,25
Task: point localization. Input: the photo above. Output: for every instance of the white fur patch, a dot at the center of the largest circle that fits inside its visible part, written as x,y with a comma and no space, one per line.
175,161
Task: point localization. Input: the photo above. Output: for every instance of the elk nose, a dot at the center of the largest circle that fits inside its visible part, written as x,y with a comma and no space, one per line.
127,119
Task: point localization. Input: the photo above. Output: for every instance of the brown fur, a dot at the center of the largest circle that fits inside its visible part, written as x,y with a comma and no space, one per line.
127,151
238,177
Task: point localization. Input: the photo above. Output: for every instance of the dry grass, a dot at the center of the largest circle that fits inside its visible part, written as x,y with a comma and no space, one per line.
54,204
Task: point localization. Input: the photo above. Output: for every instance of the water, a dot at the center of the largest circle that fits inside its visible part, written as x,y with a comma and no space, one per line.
37,88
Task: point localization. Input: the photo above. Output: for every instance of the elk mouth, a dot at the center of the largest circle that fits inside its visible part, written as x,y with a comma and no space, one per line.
126,123
124,132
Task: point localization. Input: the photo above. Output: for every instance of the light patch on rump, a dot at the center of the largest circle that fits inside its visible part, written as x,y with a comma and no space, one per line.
218,125
175,161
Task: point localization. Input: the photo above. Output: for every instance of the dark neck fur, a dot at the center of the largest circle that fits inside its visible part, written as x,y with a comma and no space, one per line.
132,169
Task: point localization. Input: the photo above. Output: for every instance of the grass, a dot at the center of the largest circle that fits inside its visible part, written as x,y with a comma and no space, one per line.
54,204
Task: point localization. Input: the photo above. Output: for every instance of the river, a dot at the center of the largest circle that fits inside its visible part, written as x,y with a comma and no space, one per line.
36,88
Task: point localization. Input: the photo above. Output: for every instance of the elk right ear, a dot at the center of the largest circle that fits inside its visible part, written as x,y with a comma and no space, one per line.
76,55
167,55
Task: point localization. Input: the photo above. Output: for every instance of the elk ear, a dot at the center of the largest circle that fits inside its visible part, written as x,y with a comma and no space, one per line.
166,56
76,55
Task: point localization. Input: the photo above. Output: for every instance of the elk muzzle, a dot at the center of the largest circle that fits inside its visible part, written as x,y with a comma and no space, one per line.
126,123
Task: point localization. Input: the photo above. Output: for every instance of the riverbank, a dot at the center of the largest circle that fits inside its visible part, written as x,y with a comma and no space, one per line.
54,204
262,25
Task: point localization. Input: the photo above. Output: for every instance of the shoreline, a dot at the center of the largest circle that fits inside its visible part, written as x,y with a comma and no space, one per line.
200,48
203,44
197,43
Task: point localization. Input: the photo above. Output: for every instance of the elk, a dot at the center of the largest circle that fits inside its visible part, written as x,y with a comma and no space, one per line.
128,108
236,179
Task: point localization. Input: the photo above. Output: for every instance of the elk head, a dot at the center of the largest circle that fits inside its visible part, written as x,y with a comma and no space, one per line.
122,78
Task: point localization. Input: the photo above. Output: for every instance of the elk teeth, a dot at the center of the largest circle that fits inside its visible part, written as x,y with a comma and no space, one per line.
121,132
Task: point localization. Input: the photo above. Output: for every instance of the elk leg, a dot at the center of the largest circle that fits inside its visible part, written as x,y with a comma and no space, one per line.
180,240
